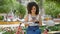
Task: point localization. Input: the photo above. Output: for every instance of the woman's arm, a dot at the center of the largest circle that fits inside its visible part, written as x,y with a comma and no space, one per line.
26,19
40,20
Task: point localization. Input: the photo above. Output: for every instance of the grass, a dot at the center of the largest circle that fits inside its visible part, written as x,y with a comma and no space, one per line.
12,32
52,28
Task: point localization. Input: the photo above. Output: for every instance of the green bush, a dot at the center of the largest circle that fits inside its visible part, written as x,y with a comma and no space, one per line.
52,28
9,32
11,5
20,11
52,8
1,17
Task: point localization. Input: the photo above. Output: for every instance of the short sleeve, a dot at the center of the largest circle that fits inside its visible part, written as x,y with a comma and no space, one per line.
37,17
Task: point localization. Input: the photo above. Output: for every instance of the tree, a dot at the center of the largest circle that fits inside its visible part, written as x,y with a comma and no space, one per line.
7,5
52,8
20,11
4,6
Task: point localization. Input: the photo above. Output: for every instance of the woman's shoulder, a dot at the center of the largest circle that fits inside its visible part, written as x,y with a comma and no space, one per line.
29,14
38,15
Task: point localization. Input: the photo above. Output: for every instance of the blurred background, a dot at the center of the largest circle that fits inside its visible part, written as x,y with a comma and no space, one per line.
12,12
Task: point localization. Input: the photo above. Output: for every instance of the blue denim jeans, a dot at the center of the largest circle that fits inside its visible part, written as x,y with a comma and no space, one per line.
33,30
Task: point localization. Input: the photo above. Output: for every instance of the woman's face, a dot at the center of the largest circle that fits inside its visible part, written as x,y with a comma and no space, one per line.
33,10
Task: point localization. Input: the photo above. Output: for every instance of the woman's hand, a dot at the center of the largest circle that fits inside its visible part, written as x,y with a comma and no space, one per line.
26,25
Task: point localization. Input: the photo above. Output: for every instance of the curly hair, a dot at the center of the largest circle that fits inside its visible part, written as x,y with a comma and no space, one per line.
30,5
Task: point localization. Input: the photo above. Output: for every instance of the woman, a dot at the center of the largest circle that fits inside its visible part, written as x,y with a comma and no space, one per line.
33,16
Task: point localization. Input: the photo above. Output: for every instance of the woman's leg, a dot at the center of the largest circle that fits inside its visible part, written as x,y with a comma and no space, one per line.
38,31
30,30
33,30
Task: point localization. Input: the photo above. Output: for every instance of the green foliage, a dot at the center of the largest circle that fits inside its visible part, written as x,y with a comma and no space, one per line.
52,28
20,11
1,17
52,8
8,32
38,2
42,28
7,6
55,28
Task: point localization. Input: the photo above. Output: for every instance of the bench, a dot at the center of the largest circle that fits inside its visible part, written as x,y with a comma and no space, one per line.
54,32
56,20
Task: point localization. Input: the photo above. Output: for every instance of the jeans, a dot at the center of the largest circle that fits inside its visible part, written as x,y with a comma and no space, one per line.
33,30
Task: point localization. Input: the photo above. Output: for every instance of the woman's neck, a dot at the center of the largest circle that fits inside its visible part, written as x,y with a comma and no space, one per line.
33,14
